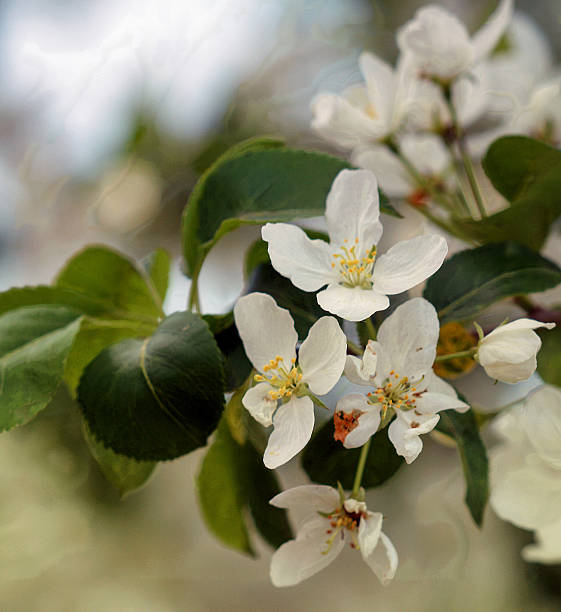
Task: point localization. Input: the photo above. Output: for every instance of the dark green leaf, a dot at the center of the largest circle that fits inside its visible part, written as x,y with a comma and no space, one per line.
34,346
125,474
253,184
233,479
18,297
471,280
112,284
463,429
159,398
527,173
327,461
549,357
157,266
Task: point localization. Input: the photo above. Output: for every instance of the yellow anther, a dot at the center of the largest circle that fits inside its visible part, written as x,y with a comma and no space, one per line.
356,240
293,360
278,358
259,378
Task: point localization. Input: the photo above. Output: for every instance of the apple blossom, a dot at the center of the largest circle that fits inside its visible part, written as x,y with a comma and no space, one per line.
398,369
365,114
509,352
438,44
282,396
358,281
332,521
526,471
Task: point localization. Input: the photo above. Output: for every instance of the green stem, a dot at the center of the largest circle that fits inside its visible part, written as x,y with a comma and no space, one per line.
370,327
360,468
193,302
469,353
354,348
317,401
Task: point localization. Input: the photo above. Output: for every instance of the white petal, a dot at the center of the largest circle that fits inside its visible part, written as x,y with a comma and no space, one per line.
408,263
266,329
405,438
380,82
259,403
369,531
548,546
383,560
322,355
303,557
410,335
394,179
352,210
542,421
426,152
352,304
485,39
510,372
307,263
339,122
362,371
518,325
293,425
368,422
431,403
317,498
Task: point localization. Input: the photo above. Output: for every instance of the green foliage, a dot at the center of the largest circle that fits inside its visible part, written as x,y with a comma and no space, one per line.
471,280
256,181
158,398
233,479
327,461
527,173
549,357
157,266
34,345
125,474
463,429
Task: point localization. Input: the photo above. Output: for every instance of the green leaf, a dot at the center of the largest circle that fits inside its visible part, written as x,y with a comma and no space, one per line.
327,461
471,280
157,266
527,173
254,183
158,398
125,474
18,297
114,286
233,479
549,356
463,429
34,346
303,306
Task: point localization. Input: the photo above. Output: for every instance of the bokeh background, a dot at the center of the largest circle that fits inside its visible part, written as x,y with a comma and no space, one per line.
110,110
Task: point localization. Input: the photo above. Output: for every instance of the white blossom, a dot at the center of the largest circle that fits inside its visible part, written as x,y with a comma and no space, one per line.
526,471
509,352
397,368
332,522
281,397
358,280
438,44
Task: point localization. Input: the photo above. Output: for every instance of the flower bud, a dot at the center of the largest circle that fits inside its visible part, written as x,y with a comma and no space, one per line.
509,352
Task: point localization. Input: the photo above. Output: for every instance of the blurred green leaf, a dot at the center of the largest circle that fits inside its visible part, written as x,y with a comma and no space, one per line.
527,173
231,480
463,429
327,461
158,398
125,474
549,356
157,266
34,345
256,181
471,280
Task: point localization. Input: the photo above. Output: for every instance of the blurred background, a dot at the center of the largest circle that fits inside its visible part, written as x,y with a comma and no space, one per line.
110,110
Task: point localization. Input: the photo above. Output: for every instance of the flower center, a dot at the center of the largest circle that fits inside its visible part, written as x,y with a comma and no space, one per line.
354,269
396,392
341,520
285,380
344,423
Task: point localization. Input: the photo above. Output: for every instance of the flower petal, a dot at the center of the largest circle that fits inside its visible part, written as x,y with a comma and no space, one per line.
410,335
352,304
542,421
369,531
368,421
352,210
362,371
380,83
408,263
317,498
322,355
293,425
303,557
266,329
393,177
431,403
260,404
404,433
488,35
383,560
307,263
